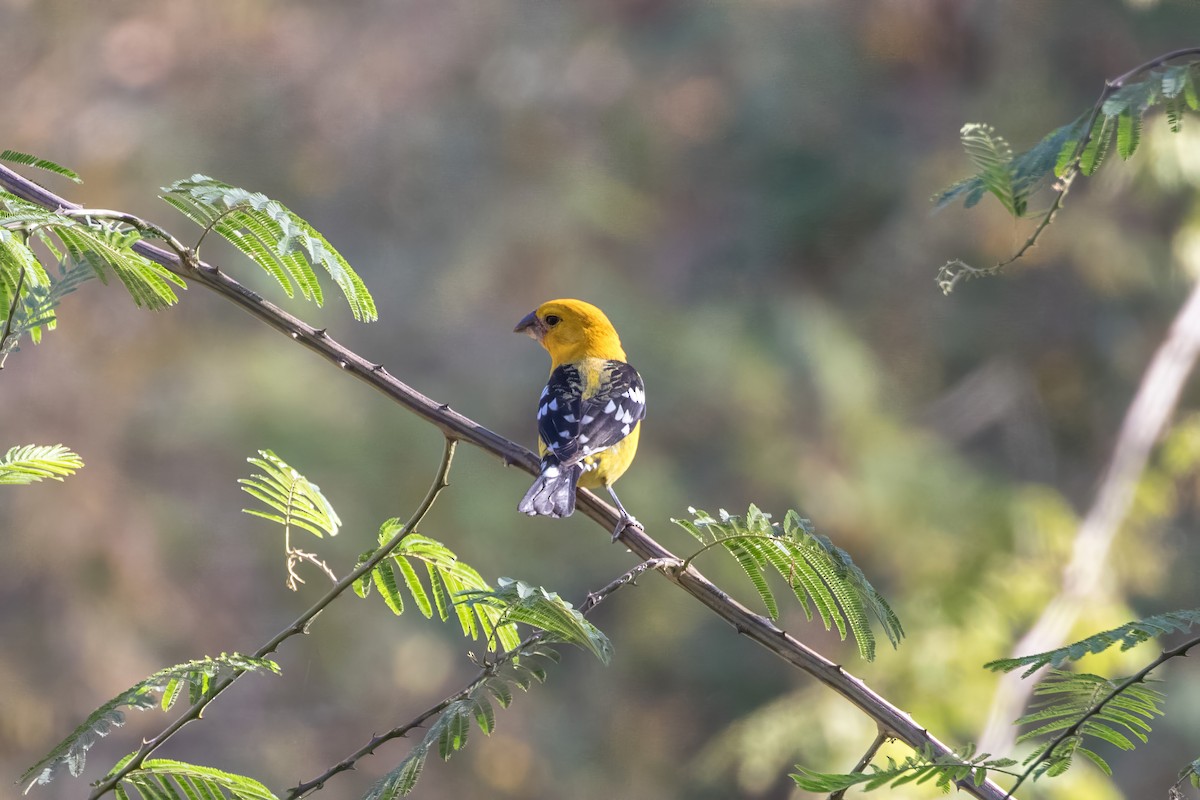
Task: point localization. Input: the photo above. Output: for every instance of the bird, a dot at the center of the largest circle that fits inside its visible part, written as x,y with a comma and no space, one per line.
589,414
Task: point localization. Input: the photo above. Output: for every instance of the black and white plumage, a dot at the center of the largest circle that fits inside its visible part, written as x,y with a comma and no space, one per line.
585,412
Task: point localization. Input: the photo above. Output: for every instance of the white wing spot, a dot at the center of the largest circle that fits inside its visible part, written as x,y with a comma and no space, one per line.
610,408
550,472
587,418
625,430
545,391
583,439
553,404
568,417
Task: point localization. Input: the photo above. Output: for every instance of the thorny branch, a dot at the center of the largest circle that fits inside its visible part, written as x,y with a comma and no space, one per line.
454,425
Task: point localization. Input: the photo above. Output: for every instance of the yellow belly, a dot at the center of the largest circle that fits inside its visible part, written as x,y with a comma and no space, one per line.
613,462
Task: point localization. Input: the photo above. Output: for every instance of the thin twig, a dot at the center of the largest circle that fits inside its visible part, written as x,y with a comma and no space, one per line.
867,756
12,312
299,626
1074,728
754,626
1145,420
963,270
489,668
137,223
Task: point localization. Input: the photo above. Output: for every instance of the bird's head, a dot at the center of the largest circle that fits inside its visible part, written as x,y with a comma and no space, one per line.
571,330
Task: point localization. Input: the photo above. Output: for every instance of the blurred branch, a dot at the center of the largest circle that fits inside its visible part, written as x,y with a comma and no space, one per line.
453,425
299,626
1144,422
489,668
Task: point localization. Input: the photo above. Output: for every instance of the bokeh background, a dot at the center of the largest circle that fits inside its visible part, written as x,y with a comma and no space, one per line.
744,186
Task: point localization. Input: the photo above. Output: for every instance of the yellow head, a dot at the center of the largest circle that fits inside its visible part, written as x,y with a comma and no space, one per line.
571,330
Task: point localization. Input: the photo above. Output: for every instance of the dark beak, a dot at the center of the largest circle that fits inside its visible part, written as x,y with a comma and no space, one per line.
531,325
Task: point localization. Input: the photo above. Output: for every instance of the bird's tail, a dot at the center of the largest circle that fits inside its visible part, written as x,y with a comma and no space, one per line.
553,493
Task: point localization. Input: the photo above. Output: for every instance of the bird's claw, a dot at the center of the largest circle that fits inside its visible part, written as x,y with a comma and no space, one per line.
624,522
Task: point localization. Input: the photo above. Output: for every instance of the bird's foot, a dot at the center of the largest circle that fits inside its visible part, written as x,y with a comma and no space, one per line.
624,522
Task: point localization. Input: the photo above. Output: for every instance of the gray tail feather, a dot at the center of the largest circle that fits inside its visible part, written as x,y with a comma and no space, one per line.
552,495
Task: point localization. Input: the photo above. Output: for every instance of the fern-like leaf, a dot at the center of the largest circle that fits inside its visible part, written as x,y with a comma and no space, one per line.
448,578
197,675
14,157
1128,635
822,576
35,312
293,498
449,731
32,462
1129,133
992,157
1070,701
1097,147
165,779
921,767
532,605
272,236
103,246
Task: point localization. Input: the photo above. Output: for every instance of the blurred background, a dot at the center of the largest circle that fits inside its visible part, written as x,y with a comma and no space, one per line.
744,187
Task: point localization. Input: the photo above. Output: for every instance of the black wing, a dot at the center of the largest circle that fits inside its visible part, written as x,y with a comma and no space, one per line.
574,427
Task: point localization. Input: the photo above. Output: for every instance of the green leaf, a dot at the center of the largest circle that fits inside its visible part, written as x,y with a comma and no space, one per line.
1097,147
1129,133
403,779
532,605
383,578
272,236
992,157
1089,706
31,463
13,157
1127,636
1174,108
35,311
821,575
415,588
160,777
920,767
72,751
103,247
298,500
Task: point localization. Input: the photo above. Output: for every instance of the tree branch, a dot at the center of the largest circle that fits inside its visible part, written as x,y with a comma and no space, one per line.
299,626
1144,422
756,627
866,759
592,600
1068,732
956,270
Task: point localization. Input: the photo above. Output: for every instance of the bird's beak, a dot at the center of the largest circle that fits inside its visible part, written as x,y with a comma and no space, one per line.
531,325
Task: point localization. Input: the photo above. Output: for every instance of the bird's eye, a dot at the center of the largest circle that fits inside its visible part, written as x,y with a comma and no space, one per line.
552,320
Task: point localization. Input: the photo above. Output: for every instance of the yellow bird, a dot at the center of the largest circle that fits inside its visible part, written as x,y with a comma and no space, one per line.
589,415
